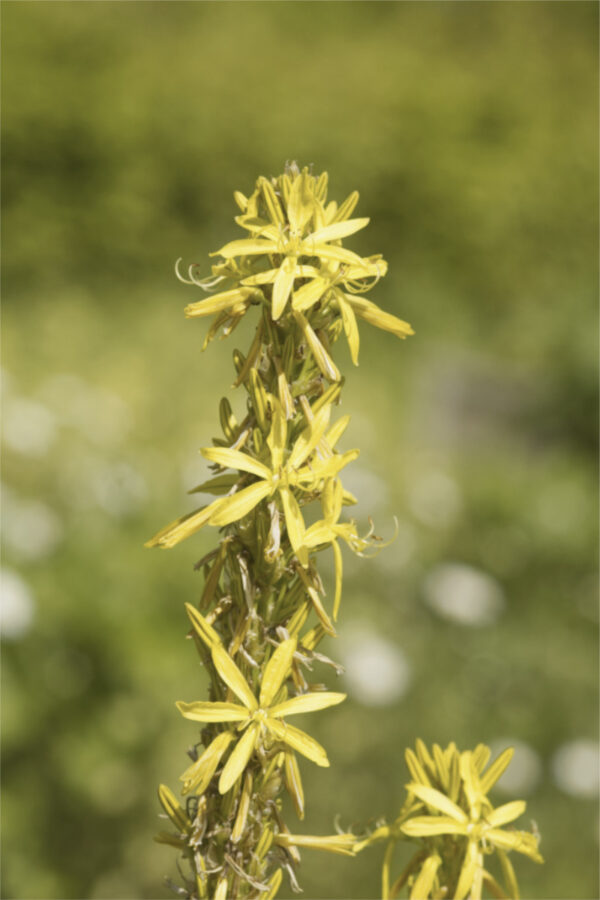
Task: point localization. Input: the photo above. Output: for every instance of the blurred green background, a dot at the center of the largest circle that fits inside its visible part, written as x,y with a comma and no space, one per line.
470,130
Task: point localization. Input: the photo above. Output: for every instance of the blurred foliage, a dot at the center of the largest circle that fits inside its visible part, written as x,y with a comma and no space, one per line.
471,131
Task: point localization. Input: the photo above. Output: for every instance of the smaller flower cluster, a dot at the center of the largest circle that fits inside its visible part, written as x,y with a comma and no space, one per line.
448,813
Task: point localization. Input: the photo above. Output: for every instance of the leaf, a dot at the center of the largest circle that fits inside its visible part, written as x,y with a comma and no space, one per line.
236,507
238,760
205,711
306,703
232,676
276,671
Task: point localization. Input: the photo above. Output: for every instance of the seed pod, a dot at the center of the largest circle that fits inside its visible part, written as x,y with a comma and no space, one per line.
258,398
293,783
228,420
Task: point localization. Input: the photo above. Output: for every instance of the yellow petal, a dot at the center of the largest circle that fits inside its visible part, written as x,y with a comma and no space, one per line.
298,740
309,438
272,202
468,871
322,358
276,671
338,566
219,485
300,202
234,459
211,305
429,826
232,676
282,285
205,631
337,430
306,703
238,760
246,248
309,294
521,841
197,776
426,877
266,277
231,509
490,777
330,252
508,873
347,207
506,813
274,883
338,230
183,527
415,768
173,809
294,523
319,533
372,314
335,843
205,711
438,800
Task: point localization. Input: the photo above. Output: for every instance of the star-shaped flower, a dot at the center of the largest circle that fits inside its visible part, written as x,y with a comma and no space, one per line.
303,469
260,718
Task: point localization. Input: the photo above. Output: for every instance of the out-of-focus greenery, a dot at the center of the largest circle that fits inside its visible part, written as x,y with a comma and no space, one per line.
470,131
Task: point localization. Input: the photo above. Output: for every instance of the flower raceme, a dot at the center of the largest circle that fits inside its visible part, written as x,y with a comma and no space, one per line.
261,582
260,718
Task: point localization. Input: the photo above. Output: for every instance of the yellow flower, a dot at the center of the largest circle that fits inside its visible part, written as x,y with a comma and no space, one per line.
302,469
294,249
260,718
448,810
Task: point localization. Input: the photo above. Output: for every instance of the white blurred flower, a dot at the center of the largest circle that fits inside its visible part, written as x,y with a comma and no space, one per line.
576,768
118,488
525,770
463,594
370,490
17,606
30,528
377,671
434,498
28,428
103,417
